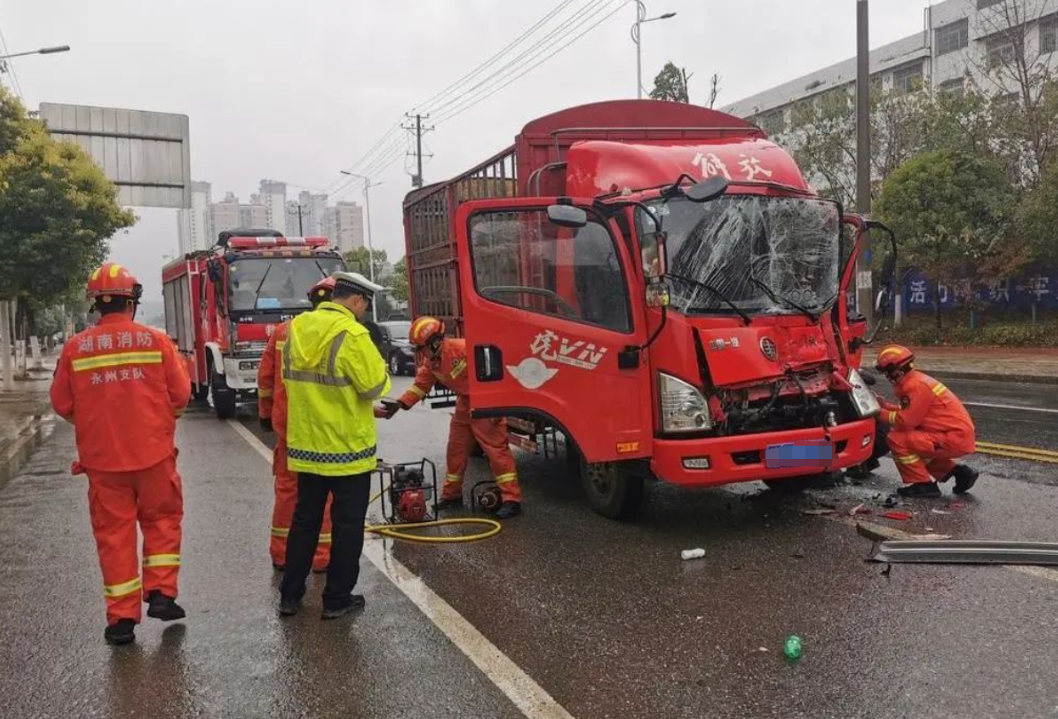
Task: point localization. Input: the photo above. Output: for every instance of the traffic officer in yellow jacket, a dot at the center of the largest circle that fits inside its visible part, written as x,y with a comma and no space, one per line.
332,373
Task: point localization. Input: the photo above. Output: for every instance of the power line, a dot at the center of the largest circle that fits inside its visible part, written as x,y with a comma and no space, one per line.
466,105
426,105
553,36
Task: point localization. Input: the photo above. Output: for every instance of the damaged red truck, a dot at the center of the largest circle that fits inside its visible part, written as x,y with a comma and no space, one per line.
659,284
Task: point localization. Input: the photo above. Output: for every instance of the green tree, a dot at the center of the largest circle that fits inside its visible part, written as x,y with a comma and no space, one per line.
398,282
1037,217
671,84
357,261
952,211
57,211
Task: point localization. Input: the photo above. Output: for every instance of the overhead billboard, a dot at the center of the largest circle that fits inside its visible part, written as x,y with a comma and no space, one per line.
146,154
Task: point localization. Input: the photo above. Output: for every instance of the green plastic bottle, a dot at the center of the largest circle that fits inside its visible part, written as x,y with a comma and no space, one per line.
792,647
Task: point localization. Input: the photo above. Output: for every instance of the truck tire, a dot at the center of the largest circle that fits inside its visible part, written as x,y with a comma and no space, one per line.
612,489
223,397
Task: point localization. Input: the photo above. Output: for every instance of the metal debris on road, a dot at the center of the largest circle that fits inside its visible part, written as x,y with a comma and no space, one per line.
967,551
939,511
819,512
860,509
692,554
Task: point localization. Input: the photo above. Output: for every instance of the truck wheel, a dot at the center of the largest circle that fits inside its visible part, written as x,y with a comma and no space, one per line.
394,365
612,490
223,397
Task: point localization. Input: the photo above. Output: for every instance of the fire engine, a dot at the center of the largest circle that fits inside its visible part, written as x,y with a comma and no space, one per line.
222,305
658,284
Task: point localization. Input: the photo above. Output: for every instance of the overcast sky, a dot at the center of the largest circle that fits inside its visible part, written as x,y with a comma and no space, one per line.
296,91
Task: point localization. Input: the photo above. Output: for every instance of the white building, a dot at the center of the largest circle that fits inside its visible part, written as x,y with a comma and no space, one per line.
226,214
314,213
273,195
195,226
253,216
959,41
345,225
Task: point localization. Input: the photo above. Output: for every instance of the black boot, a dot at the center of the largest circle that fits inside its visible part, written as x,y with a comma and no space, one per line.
920,490
163,607
862,471
965,477
123,631
289,607
356,601
455,503
508,510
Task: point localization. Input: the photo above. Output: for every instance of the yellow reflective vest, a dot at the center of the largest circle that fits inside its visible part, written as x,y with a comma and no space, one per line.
332,373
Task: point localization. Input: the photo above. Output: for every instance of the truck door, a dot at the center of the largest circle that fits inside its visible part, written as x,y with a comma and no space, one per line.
554,318
852,324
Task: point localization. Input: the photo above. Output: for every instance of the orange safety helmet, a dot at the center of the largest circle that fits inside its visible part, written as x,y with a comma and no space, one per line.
424,330
895,358
321,291
113,280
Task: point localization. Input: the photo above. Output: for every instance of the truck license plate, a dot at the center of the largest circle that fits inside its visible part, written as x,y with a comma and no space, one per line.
816,453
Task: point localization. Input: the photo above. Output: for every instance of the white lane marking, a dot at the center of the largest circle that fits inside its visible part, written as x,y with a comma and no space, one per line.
529,697
989,405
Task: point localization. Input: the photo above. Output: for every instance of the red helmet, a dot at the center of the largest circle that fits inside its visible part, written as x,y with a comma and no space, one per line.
113,280
894,358
321,291
424,330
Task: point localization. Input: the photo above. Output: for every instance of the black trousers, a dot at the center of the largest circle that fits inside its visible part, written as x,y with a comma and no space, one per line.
348,509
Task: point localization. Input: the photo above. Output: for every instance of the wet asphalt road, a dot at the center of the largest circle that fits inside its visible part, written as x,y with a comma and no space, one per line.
604,616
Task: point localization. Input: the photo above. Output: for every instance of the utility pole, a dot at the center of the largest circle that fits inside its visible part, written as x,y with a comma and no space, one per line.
419,131
301,226
864,287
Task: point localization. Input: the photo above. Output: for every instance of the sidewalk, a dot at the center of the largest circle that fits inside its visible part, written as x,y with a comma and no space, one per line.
21,413
1038,366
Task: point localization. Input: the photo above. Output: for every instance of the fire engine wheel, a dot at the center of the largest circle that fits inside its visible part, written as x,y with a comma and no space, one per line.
223,398
612,489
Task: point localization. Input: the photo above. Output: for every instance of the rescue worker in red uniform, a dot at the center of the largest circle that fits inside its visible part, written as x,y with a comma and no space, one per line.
123,385
272,410
928,430
444,360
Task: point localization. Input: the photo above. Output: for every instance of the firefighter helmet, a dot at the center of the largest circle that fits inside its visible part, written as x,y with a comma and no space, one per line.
113,280
895,358
321,291
424,330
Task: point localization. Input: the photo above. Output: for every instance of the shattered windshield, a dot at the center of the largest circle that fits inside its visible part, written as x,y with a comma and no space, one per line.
276,283
745,245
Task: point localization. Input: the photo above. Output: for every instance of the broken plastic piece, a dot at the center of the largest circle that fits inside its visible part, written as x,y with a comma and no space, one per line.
939,511
819,512
968,551
899,516
692,554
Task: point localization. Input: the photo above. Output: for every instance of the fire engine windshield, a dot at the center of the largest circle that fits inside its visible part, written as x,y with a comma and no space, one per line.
766,255
276,283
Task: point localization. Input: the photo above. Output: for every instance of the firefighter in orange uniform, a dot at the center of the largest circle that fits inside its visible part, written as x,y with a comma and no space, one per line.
123,385
272,410
928,430
445,361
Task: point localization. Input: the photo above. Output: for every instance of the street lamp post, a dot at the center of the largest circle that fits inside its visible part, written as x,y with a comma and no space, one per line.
641,17
370,250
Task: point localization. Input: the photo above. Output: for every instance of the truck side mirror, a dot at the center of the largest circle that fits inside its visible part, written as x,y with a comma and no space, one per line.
567,216
707,190
654,256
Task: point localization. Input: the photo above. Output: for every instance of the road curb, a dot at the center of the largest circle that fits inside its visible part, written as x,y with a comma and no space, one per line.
996,376
14,452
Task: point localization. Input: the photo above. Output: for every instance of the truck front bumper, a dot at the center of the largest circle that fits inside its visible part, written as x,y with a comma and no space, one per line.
741,458
241,374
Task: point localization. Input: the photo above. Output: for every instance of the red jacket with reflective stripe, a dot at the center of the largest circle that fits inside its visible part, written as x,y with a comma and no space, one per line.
271,392
926,405
449,368
123,385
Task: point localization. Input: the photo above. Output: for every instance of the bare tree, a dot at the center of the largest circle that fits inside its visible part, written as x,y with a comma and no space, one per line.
1016,63
714,89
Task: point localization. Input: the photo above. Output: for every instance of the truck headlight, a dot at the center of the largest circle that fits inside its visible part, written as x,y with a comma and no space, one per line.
862,397
247,365
683,408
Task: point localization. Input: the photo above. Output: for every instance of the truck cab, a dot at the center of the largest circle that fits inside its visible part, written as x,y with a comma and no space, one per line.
664,289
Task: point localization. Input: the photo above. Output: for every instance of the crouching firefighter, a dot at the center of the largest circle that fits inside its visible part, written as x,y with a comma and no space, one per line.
123,385
928,430
272,409
444,360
